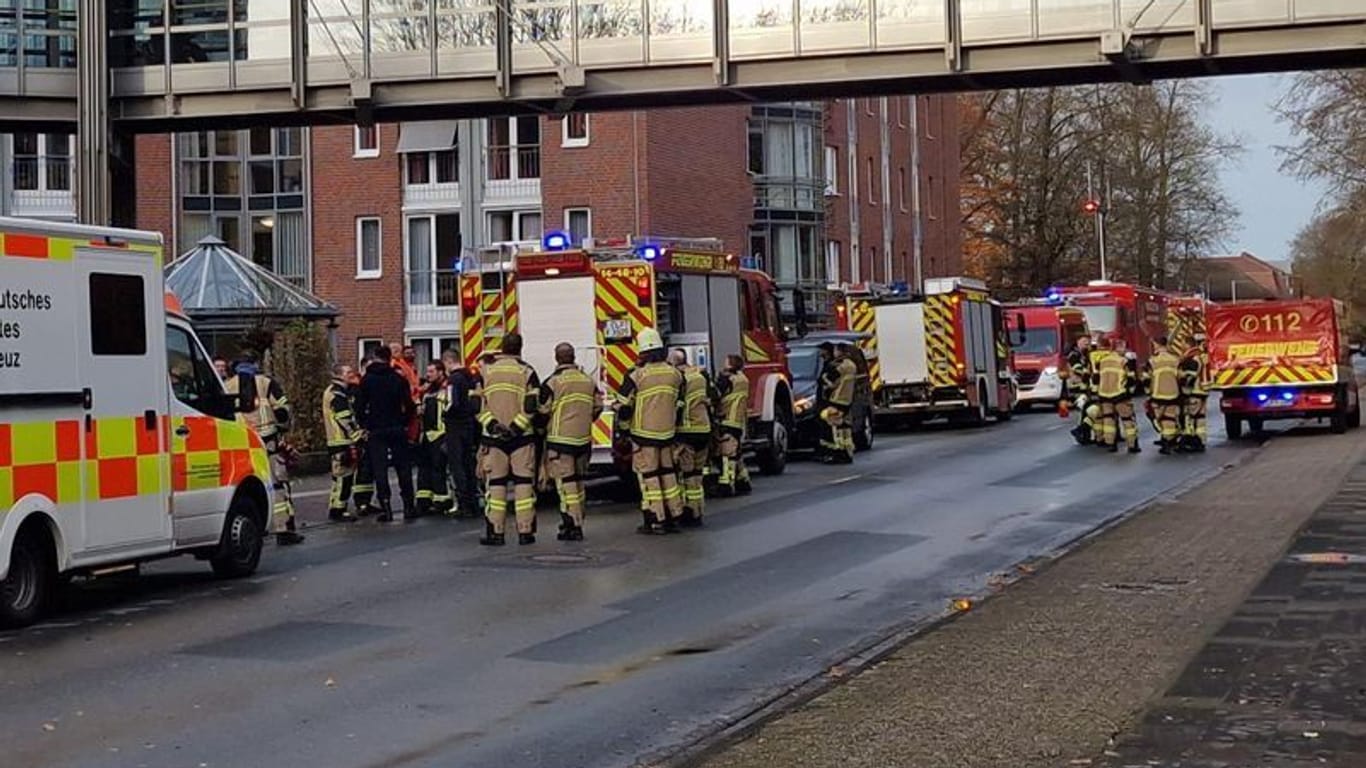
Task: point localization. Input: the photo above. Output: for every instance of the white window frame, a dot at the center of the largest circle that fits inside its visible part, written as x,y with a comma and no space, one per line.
361,272
42,159
832,165
517,214
570,141
360,346
357,150
567,211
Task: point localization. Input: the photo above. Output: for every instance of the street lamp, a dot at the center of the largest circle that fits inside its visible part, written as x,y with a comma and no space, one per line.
1093,206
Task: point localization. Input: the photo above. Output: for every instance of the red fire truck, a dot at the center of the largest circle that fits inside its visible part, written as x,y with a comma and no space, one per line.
599,298
1119,310
1282,360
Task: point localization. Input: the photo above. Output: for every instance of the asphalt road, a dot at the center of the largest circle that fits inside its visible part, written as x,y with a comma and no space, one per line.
413,646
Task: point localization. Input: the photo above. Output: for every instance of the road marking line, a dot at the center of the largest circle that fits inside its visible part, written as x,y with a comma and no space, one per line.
310,494
843,480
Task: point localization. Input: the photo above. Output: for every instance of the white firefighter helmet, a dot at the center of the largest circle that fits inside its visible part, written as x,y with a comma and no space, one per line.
648,340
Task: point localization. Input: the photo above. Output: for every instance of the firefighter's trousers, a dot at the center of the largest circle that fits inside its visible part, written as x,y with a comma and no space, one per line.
343,478
733,469
283,514
568,470
363,486
839,438
1195,417
1113,415
1167,416
510,474
654,466
433,492
690,459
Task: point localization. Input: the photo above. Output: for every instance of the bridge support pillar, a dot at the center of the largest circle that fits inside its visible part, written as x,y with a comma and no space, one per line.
93,198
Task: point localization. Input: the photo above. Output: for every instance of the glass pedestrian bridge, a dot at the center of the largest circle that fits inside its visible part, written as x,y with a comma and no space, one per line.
184,63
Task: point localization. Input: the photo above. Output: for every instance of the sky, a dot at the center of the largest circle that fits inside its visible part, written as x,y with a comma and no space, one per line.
1273,206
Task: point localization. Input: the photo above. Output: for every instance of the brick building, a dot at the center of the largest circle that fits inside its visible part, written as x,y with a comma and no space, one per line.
376,220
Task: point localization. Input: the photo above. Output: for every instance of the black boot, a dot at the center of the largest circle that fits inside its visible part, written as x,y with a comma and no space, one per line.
689,519
411,513
491,539
288,538
650,527
340,516
1135,449
526,538
671,525
1166,449
1112,447
566,525
574,534
743,488
386,515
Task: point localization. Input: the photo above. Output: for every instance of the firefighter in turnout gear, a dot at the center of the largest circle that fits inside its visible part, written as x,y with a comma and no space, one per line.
1164,388
1115,391
363,487
648,413
1079,376
693,442
733,388
1194,396
433,491
570,403
509,399
262,405
838,380
343,436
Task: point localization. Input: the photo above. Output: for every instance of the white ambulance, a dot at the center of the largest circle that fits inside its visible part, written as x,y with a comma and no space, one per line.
117,441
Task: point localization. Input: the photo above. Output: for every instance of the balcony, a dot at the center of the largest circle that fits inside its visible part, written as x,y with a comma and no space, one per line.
432,300
431,196
789,193
514,176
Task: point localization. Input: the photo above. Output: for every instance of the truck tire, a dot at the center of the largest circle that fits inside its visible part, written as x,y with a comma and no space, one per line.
239,553
1338,423
772,458
863,434
28,587
977,416
1233,427
1354,417
1255,426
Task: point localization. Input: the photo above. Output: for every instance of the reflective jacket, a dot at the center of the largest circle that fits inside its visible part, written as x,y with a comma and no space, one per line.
1193,382
839,380
435,404
650,399
511,395
339,418
1079,368
1112,377
571,401
734,389
698,393
261,403
1165,384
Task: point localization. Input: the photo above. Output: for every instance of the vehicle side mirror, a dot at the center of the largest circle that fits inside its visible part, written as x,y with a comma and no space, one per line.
1019,329
219,405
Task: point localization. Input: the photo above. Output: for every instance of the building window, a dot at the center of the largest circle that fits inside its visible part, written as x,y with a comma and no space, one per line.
42,162
793,253
832,164
933,196
515,226
833,273
433,260
368,243
579,222
872,184
441,167
756,149
247,187
41,33
430,348
514,147
574,130
365,347
901,188
367,141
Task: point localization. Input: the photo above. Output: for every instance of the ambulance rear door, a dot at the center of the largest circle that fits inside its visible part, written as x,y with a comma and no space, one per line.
122,360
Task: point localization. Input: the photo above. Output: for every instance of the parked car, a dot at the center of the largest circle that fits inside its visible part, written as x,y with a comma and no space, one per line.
805,363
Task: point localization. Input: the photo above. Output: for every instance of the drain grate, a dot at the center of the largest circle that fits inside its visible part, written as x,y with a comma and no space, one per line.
560,558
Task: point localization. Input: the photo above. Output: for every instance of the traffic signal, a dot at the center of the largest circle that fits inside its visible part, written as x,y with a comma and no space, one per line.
1090,207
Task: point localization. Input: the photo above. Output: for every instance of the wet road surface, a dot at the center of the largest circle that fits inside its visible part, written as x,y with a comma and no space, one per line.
413,646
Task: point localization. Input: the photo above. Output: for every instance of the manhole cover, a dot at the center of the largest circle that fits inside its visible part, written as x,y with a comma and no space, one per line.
560,559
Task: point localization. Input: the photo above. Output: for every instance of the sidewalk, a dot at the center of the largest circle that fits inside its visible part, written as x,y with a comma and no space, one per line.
1284,680
1048,672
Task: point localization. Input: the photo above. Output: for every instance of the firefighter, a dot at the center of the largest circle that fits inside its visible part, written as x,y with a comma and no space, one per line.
262,405
838,379
343,434
1164,388
1079,388
733,412
363,487
648,415
693,442
433,493
1115,391
570,402
1194,394
509,399
462,434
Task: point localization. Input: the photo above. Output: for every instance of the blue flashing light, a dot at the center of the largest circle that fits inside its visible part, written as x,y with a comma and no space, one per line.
1262,397
1288,396
1053,296
556,241
648,252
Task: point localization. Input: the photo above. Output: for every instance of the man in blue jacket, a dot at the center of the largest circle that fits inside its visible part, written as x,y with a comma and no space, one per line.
385,407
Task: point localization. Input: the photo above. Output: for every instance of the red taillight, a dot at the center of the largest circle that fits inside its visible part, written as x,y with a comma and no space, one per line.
469,299
642,289
1325,398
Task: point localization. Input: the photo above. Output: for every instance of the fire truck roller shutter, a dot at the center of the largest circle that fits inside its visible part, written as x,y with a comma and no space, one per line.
901,336
723,311
553,311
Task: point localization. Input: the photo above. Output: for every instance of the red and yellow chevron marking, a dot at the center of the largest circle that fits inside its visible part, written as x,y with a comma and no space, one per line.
471,323
602,430
510,311
1274,374
754,351
863,319
23,245
616,298
941,343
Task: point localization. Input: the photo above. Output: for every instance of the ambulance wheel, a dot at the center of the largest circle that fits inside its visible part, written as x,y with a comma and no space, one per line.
32,578
240,551
1233,427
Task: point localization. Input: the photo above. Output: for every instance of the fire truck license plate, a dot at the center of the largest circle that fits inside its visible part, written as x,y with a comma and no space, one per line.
617,329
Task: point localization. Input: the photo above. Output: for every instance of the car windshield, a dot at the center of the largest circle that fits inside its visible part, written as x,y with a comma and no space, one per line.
1100,319
1037,341
805,363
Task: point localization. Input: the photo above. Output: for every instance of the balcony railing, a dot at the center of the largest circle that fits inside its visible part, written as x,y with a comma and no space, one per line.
433,298
789,193
510,163
431,195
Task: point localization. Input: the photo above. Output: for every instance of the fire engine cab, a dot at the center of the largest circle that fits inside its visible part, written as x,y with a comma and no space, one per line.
1133,313
946,353
599,297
